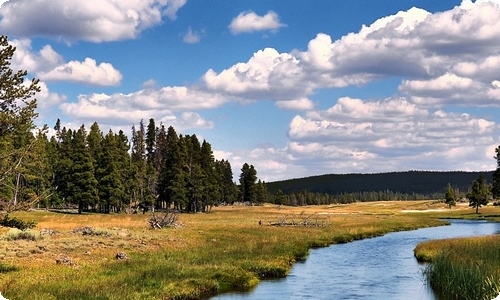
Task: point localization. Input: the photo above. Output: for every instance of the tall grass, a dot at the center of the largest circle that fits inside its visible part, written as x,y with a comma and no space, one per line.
463,268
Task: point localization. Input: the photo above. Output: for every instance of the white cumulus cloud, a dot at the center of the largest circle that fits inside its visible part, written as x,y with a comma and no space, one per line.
250,22
87,72
72,20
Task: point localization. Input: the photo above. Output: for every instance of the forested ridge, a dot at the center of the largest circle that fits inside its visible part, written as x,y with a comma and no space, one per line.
411,185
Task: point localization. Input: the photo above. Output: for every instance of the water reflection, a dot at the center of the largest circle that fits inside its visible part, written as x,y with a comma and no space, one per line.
377,268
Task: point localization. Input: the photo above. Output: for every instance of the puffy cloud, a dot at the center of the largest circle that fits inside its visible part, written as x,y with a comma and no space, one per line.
26,59
267,75
457,47
355,135
71,20
87,72
144,104
250,22
47,99
48,65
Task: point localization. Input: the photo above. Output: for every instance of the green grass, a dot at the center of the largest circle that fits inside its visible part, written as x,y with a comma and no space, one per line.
223,251
463,268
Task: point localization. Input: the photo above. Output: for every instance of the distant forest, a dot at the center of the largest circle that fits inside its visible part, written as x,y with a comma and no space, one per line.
347,188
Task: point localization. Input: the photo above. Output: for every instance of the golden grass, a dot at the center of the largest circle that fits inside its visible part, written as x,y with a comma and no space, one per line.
209,253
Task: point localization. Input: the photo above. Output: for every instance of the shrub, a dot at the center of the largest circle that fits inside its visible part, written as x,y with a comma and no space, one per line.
28,235
17,223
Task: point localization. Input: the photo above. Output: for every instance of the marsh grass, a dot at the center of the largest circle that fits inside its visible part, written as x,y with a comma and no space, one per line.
463,268
223,251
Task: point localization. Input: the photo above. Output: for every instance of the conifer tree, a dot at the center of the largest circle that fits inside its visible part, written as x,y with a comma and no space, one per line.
450,196
479,193
248,180
229,190
172,181
111,189
194,174
83,185
17,114
495,187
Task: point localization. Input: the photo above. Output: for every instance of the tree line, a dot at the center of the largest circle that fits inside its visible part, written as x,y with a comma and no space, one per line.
106,172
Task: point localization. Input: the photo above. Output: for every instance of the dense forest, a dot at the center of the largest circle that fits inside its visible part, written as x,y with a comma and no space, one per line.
347,188
92,171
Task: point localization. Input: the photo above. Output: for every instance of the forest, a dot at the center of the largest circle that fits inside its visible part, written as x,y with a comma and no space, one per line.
89,170
348,188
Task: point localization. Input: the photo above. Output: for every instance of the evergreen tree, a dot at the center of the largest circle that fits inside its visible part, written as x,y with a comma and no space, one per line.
142,193
450,197
262,194
228,189
111,189
172,181
248,180
63,166
495,188
83,185
195,187
17,114
124,167
479,193
212,188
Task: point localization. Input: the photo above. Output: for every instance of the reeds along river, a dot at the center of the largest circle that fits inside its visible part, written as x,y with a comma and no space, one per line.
376,268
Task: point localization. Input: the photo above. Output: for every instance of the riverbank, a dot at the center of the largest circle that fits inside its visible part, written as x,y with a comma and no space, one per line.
463,268
205,255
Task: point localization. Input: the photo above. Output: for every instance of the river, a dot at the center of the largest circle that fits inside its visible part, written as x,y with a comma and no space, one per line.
376,268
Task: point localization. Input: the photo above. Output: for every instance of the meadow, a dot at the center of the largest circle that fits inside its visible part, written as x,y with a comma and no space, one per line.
72,256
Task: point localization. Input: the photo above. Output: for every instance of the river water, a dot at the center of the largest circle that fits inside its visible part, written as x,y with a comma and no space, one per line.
376,268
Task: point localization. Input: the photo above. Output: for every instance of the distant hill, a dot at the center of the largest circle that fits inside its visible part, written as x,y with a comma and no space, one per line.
410,182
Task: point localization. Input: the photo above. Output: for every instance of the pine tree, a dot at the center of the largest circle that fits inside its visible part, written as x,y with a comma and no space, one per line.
62,167
479,193
83,185
261,193
172,181
495,188
450,196
229,190
248,180
17,114
195,186
111,189
142,192
212,188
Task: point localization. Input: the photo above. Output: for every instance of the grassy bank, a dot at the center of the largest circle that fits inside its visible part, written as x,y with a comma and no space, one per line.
463,268
225,250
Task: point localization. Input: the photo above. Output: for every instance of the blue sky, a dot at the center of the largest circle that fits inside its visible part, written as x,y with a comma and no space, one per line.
296,88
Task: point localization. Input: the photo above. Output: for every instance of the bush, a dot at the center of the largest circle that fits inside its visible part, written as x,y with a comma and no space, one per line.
17,223
15,234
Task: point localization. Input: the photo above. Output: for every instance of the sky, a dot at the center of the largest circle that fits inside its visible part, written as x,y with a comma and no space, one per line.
295,88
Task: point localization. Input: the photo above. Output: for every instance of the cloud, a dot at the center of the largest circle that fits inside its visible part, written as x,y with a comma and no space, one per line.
144,104
73,20
48,65
250,22
192,37
26,59
356,135
87,72
459,46
298,104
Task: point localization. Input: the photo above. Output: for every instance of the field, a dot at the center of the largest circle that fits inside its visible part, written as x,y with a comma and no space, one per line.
71,256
